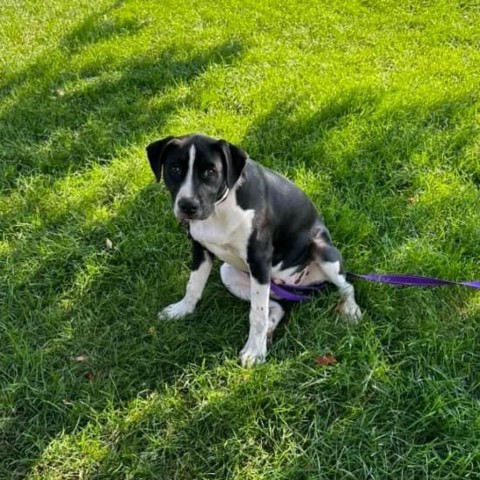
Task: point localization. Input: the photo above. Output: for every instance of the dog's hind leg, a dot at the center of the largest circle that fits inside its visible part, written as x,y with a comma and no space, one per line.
238,284
236,281
331,264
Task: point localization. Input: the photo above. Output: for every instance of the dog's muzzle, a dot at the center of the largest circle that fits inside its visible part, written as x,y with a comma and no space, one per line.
188,207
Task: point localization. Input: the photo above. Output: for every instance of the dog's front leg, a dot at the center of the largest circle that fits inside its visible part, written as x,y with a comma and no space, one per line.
255,350
201,268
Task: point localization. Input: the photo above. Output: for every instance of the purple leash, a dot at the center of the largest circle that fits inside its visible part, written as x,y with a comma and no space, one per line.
413,280
291,292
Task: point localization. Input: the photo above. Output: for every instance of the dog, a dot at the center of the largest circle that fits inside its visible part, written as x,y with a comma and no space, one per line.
263,227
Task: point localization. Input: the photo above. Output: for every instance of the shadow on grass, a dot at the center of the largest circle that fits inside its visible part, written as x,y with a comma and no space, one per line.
71,120
98,27
54,125
80,341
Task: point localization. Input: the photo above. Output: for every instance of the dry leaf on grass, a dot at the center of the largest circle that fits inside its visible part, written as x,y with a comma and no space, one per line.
326,360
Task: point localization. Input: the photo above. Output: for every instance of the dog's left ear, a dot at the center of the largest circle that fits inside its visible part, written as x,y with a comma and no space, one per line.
234,161
155,154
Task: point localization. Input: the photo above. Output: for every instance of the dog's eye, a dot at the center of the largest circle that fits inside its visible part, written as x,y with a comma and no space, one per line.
210,172
175,171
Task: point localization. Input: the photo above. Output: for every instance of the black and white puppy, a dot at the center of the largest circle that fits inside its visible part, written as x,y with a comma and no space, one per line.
260,224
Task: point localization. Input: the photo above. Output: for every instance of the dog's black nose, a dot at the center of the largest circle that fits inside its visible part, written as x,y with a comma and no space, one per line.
189,206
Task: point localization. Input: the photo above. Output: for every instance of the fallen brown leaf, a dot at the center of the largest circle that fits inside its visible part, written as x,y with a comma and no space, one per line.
326,360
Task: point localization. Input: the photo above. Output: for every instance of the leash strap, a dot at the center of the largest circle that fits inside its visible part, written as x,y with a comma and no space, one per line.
413,280
294,293
287,292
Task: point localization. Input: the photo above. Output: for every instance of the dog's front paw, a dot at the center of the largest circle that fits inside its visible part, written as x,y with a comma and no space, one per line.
350,310
250,356
176,310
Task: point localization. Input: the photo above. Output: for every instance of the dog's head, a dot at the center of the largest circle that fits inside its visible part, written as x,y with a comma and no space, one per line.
197,170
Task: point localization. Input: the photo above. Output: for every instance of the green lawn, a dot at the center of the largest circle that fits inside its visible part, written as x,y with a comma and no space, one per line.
372,107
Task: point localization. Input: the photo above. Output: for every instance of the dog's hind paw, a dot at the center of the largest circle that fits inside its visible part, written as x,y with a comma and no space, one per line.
350,310
176,310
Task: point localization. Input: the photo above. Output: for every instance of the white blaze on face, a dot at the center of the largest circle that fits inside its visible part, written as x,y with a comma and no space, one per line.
186,190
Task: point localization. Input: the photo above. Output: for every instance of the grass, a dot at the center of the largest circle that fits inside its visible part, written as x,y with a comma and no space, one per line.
371,107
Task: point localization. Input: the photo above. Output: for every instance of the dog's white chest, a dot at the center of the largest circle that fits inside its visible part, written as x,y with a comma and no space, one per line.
226,233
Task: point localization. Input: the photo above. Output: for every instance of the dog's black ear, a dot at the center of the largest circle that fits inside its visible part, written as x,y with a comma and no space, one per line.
234,161
155,155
